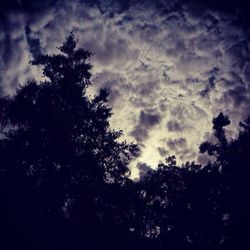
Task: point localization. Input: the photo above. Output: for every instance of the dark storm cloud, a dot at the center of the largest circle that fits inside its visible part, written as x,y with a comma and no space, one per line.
165,6
140,133
239,10
176,144
33,43
174,126
162,151
143,169
238,95
27,6
146,88
13,60
146,121
211,81
111,6
246,72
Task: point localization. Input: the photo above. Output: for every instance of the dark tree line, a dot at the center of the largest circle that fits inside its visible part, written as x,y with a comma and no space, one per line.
64,177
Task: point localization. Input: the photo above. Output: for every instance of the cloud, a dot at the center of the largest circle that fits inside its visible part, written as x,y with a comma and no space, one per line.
163,152
143,169
170,65
33,43
149,119
174,126
26,5
176,143
146,121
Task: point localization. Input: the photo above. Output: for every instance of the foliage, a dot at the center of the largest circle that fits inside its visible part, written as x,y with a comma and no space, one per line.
58,142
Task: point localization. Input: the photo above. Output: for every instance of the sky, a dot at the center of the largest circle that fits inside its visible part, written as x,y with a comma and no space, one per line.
171,66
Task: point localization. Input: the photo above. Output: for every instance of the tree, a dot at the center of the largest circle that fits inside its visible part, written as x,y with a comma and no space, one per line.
231,169
220,149
58,142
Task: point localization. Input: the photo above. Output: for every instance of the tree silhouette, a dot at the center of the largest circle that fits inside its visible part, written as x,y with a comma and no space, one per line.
232,189
58,142
199,207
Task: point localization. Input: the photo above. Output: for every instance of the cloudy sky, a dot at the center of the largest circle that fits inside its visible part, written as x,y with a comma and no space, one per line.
170,65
